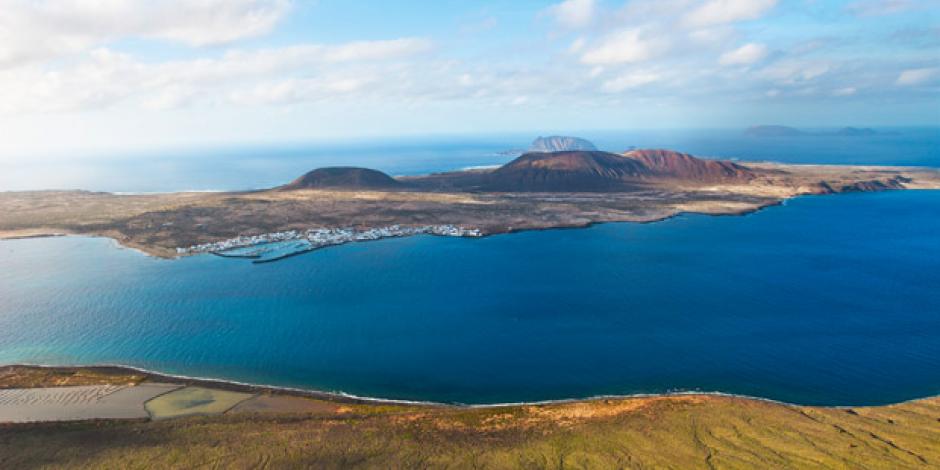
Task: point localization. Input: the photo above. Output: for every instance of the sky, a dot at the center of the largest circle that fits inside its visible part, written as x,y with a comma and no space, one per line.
112,75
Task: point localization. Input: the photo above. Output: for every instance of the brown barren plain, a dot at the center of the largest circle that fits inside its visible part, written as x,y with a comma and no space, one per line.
159,223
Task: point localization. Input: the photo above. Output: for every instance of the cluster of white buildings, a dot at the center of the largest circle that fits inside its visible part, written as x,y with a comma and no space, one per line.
239,242
330,236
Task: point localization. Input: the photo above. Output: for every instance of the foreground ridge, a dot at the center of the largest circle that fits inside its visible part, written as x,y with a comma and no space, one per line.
253,427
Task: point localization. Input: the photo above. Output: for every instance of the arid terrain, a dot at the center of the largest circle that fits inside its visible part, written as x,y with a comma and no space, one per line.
535,191
120,418
296,431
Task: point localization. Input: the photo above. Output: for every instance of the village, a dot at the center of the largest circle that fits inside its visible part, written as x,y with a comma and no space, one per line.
317,238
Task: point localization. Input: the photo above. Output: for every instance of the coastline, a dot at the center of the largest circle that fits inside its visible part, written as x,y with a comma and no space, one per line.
178,253
702,429
340,395
171,225
348,398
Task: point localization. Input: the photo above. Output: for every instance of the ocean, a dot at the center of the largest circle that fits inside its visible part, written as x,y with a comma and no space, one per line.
264,166
831,300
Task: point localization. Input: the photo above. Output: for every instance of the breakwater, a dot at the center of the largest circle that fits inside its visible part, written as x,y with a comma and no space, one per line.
278,245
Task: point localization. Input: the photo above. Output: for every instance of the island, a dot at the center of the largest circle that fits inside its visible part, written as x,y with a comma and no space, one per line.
786,131
537,190
560,143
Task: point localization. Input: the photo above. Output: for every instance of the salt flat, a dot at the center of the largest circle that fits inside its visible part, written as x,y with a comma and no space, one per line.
194,401
23,405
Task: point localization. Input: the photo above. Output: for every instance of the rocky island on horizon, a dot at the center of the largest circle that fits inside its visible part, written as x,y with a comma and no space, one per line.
560,143
787,131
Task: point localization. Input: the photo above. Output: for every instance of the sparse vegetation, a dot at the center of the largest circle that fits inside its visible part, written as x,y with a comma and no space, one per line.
687,432
158,224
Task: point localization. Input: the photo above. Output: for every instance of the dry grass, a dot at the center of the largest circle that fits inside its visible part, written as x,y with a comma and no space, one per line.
685,432
682,432
33,377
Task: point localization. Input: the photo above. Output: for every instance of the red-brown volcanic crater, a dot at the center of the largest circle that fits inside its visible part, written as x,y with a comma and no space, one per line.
595,171
676,165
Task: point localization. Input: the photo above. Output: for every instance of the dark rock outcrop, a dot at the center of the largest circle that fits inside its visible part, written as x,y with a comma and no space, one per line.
668,164
875,185
595,171
350,178
565,171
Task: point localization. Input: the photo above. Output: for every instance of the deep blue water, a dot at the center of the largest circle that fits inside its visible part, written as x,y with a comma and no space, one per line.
252,167
826,300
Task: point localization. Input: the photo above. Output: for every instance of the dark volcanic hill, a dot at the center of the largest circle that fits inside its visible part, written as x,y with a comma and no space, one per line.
569,171
668,164
344,178
565,171
602,171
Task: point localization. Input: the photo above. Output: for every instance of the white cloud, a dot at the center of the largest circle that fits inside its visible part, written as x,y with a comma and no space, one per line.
170,97
577,45
650,51
376,50
718,35
105,78
744,55
791,72
485,24
626,46
913,77
33,30
573,13
880,7
716,12
299,90
629,80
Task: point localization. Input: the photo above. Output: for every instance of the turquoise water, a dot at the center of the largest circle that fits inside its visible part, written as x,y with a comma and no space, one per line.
826,300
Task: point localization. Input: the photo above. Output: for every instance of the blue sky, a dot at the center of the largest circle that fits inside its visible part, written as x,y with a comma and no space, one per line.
106,75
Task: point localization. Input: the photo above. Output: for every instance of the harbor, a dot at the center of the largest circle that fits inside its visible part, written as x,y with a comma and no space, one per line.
276,246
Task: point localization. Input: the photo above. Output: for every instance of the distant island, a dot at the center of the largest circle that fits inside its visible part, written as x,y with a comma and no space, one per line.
785,131
557,143
553,143
573,187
